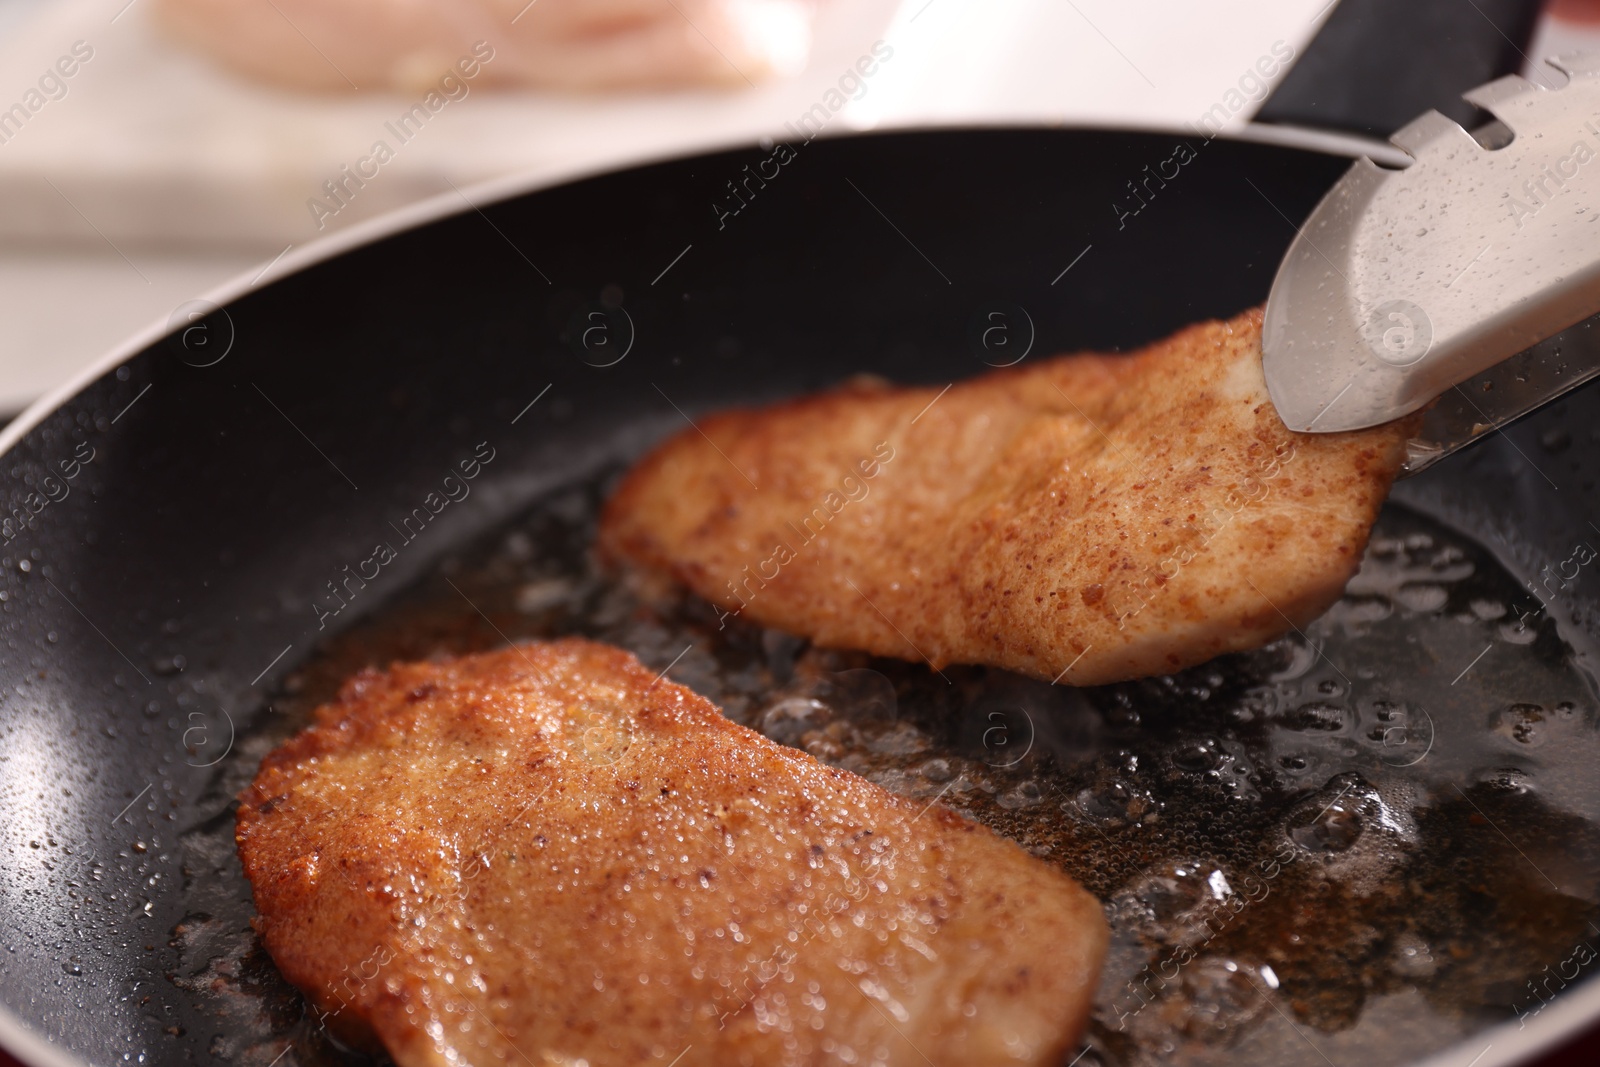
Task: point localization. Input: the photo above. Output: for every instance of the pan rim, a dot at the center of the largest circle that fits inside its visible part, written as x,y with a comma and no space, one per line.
494,190
1522,1042
1576,1012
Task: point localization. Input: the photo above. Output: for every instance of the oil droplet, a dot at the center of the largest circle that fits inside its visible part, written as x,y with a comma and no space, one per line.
1521,723
1422,596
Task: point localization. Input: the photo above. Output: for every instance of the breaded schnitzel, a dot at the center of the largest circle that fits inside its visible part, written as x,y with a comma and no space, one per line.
550,855
1088,518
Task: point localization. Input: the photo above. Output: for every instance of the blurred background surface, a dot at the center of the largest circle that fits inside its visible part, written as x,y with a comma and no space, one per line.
160,173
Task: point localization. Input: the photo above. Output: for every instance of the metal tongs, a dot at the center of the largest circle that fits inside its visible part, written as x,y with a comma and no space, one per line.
1459,277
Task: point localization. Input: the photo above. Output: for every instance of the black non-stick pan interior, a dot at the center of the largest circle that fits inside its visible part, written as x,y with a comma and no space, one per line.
176,526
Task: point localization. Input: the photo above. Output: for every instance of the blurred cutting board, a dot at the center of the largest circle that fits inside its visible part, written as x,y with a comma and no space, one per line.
154,146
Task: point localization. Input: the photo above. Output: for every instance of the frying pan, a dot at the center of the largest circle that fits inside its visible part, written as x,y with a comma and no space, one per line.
176,514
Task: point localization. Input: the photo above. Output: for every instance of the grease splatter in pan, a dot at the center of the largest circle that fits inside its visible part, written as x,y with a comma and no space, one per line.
1366,841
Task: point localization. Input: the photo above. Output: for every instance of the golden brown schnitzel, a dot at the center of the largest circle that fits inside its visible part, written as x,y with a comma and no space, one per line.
550,855
1087,519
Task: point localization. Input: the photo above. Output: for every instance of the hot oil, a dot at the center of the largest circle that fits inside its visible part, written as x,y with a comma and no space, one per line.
1371,838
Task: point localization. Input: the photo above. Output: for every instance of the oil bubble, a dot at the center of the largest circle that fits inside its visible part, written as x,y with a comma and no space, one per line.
1318,716
788,721
1523,724
1115,802
1197,755
1334,829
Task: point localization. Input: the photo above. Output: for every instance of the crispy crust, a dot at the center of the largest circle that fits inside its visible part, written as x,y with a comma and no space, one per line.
547,853
1088,518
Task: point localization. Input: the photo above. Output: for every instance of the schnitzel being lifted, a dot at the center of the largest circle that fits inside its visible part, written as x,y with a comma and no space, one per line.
1083,519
